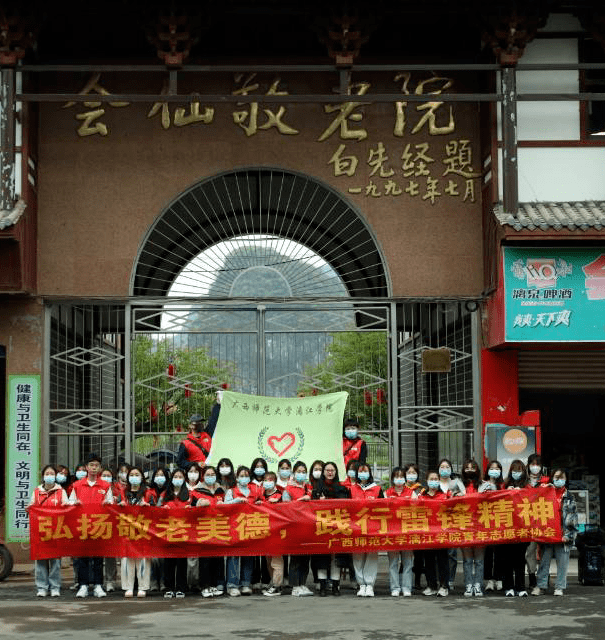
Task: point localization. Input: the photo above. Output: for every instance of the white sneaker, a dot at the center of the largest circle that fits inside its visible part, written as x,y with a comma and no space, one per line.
558,592
305,591
522,594
510,593
499,585
490,586
55,593
207,593
179,594
109,587
216,591
82,592
536,591
246,591
395,593
468,592
220,589
41,593
141,593
369,591
272,591
362,591
407,594
234,592
296,591
98,591
429,592
128,594
443,592
477,590
169,594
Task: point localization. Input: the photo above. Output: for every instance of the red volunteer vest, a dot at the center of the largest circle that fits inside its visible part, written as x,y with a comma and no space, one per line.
52,498
91,495
359,493
198,447
351,449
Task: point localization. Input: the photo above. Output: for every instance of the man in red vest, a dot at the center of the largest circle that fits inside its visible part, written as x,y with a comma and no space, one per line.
196,446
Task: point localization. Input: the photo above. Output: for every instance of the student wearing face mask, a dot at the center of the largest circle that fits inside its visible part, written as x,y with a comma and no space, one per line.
49,495
453,487
136,494
514,554
353,447
284,473
435,560
110,564
158,484
535,479
365,564
402,486
569,530
473,557
239,571
226,473
315,481
260,573
192,482
79,473
298,489
176,496
351,469
121,484
272,495
493,568
196,446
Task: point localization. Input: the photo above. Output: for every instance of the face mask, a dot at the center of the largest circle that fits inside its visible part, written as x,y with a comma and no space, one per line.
51,479
351,434
122,475
259,471
398,482
210,479
61,478
224,471
107,478
494,473
559,483
160,481
299,476
268,485
243,480
411,477
535,469
135,480
433,484
177,482
316,474
81,474
516,475
445,473
284,473
364,476
193,477
351,473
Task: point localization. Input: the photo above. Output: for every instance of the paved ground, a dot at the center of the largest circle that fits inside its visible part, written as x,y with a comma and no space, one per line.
579,615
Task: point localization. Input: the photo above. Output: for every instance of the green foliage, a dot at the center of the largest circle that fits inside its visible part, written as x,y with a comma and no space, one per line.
191,390
356,362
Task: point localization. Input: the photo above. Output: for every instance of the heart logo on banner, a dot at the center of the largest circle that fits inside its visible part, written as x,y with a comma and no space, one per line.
282,444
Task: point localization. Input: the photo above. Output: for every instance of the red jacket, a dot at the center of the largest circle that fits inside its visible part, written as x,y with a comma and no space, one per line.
371,492
52,498
91,495
197,447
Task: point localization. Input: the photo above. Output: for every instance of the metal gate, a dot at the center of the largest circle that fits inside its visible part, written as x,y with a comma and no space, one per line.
124,377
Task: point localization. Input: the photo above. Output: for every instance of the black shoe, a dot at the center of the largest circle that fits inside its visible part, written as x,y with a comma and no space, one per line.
322,589
335,587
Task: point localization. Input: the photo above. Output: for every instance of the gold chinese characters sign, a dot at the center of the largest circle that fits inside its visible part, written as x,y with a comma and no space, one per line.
422,159
322,526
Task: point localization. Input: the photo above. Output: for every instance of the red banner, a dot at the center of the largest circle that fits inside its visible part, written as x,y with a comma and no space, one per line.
321,526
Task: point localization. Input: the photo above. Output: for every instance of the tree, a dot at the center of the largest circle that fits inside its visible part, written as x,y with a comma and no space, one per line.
171,384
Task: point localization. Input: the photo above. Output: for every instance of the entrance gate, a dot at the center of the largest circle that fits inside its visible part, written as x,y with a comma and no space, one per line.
123,378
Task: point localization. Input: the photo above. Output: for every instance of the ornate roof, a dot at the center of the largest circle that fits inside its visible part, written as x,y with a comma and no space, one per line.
554,216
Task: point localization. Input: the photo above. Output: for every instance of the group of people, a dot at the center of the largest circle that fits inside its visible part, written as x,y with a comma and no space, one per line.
198,485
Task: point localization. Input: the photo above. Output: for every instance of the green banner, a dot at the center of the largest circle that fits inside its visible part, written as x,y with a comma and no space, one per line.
22,452
304,429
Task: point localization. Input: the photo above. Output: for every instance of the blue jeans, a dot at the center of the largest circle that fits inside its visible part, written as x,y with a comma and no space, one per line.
473,565
561,553
401,581
235,564
48,574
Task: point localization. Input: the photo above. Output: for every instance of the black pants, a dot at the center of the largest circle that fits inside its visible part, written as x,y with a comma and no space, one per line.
260,572
514,566
299,570
436,565
210,571
494,568
90,571
176,566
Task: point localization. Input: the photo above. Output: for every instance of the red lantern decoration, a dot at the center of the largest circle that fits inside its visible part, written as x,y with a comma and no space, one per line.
188,392
380,396
153,412
368,398
225,385
314,392
171,371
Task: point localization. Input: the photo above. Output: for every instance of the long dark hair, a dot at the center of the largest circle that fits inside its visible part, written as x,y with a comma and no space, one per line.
183,492
470,480
227,481
160,490
510,481
139,494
